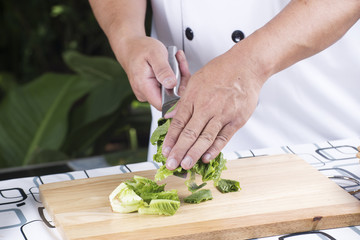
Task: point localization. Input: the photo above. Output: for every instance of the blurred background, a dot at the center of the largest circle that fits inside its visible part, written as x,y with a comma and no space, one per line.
65,102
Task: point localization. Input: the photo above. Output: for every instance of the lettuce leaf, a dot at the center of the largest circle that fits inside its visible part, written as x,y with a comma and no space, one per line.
169,195
227,185
199,196
208,171
143,185
163,172
145,196
212,170
161,207
191,184
124,200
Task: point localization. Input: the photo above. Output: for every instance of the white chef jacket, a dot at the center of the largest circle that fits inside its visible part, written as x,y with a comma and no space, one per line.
316,99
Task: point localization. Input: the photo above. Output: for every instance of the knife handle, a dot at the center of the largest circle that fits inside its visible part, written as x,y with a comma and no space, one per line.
169,97
175,67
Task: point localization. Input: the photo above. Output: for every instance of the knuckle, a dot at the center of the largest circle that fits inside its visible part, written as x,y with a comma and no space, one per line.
207,137
190,134
214,150
163,72
222,138
177,123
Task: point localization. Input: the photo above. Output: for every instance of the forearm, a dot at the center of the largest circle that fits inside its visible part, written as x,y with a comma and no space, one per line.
302,29
120,18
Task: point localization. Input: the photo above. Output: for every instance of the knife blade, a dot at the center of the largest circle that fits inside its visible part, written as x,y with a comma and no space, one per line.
170,96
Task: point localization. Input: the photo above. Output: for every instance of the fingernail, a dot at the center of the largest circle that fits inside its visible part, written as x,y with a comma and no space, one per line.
168,82
207,157
187,162
171,164
166,151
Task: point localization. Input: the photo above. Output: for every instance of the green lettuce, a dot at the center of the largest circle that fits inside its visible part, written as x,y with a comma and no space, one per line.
124,200
145,196
199,196
208,171
163,172
160,207
227,185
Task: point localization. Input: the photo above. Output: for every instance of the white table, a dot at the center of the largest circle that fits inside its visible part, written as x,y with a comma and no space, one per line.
22,215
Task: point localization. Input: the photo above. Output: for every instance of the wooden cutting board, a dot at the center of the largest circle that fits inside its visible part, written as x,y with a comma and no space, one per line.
280,194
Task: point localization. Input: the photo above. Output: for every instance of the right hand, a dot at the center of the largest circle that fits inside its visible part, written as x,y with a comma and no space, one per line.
145,60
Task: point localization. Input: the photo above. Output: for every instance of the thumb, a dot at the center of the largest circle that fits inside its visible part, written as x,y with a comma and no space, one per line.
162,70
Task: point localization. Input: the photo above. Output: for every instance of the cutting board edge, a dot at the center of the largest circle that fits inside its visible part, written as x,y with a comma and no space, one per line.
233,231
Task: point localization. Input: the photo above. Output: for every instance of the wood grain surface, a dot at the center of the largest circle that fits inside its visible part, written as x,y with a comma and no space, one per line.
280,194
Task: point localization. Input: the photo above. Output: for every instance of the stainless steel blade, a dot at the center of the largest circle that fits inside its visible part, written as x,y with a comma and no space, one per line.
171,96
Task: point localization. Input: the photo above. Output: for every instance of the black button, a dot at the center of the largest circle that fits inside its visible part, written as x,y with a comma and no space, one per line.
237,36
189,34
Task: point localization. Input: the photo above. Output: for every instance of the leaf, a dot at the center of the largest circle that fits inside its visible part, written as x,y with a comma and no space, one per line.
101,68
100,109
163,172
144,195
124,199
46,155
35,116
227,185
191,184
199,196
161,207
160,131
211,170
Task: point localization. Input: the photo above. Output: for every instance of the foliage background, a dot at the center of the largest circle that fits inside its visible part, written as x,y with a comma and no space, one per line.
46,46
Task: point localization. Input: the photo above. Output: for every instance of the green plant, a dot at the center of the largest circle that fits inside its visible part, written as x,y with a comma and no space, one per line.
61,116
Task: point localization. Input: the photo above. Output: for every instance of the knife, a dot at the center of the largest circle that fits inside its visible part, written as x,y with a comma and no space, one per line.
170,96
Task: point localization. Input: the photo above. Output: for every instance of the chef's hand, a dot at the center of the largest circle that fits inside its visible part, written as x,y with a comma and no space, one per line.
218,100
145,60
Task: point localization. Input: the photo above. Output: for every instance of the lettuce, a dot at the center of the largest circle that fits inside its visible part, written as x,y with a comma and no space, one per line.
227,185
145,196
163,172
124,200
160,207
199,196
208,171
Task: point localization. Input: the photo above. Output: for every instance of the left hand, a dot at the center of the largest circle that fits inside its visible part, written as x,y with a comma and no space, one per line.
218,100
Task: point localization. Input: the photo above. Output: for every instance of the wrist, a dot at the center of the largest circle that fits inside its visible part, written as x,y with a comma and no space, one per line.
253,57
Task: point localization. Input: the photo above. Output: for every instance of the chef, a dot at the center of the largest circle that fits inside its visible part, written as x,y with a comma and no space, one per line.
255,74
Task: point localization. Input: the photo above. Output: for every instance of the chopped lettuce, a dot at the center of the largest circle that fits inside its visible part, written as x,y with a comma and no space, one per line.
208,171
145,196
199,196
169,195
163,172
124,200
211,170
160,207
227,185
191,184
142,185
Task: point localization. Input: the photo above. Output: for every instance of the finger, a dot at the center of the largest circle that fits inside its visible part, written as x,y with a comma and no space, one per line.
221,140
162,70
184,70
172,113
177,125
187,137
202,144
153,93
